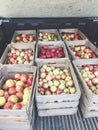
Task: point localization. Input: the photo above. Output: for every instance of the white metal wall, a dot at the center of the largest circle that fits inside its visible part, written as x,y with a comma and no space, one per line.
48,8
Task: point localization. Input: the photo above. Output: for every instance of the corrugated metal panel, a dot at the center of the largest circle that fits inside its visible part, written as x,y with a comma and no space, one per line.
73,122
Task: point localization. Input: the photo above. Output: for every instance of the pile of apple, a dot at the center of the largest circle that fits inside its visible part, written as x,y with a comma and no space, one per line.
70,36
15,92
45,36
46,52
54,80
19,56
90,75
25,38
83,52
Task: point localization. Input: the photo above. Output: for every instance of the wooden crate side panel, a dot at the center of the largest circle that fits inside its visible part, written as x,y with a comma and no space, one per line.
57,105
57,112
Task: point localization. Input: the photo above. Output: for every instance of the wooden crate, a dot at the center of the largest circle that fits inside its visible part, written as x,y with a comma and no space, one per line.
55,31
20,117
51,45
68,97
18,32
74,31
91,97
24,46
77,43
57,112
47,102
88,113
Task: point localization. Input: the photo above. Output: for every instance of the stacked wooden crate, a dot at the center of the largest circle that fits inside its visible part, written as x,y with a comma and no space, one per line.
22,118
83,53
52,104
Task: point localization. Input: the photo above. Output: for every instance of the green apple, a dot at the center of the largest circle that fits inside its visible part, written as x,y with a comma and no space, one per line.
22,54
72,90
50,83
53,89
56,82
50,73
2,101
56,72
62,86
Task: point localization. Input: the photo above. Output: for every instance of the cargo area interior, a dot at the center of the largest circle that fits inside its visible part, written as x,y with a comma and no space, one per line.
89,26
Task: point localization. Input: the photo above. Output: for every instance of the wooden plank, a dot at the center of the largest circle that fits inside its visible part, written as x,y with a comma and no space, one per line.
56,105
55,112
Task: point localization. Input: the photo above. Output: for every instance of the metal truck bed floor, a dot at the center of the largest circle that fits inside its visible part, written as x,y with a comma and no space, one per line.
73,122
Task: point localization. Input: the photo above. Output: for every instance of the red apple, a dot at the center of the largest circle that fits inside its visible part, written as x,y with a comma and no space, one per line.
12,91
23,77
29,81
8,105
19,95
20,88
17,106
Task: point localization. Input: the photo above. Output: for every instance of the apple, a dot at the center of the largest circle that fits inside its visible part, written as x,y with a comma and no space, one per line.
62,86
95,80
72,90
17,76
27,90
41,90
56,82
10,83
19,83
17,106
66,91
53,89
26,96
5,87
96,73
29,81
8,105
20,88
1,92
59,91
2,101
19,95
43,75
47,91
12,91
13,98
69,83
45,85
23,78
